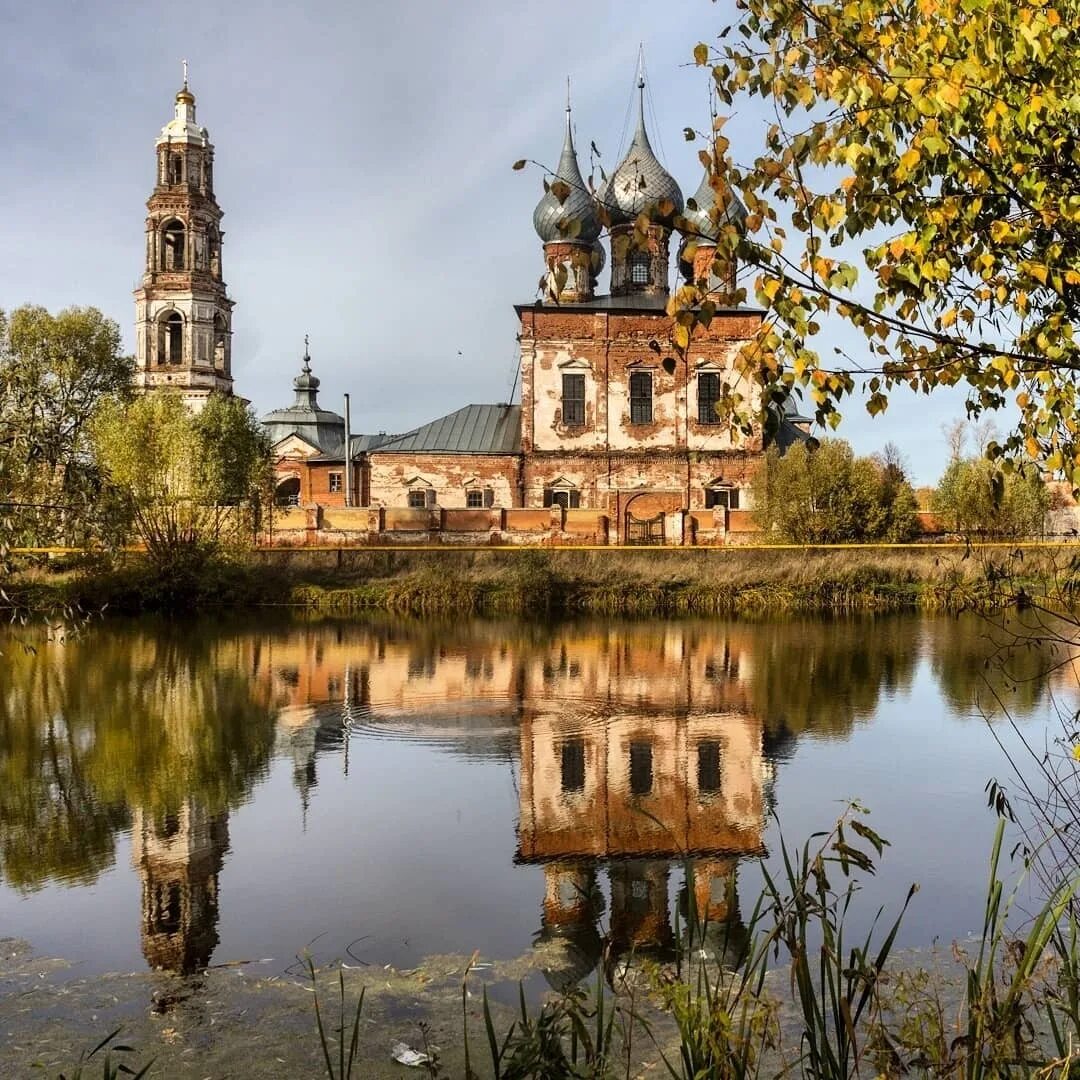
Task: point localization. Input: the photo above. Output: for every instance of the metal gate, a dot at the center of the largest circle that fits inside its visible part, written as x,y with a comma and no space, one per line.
644,530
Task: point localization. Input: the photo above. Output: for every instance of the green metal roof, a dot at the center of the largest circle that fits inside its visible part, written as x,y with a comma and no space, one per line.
475,429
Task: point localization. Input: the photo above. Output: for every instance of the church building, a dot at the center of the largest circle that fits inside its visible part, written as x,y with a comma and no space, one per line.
615,435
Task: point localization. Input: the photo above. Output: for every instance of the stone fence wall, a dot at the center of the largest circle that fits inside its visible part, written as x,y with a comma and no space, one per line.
551,526
318,526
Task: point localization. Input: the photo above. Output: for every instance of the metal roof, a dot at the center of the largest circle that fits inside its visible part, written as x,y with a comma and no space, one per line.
475,429
360,444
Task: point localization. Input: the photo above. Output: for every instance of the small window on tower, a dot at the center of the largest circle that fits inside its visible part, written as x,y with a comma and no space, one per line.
641,397
573,400
176,169
174,236
335,482
708,394
639,268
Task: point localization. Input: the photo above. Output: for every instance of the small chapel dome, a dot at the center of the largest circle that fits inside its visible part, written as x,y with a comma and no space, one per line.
305,380
702,224
552,218
640,181
184,96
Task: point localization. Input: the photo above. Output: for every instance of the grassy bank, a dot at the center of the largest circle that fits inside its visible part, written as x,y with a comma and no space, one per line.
688,581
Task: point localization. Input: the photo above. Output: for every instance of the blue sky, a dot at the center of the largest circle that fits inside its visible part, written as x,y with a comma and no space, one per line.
363,161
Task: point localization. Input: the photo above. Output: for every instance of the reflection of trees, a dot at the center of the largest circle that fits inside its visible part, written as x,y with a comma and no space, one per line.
981,661
117,719
820,677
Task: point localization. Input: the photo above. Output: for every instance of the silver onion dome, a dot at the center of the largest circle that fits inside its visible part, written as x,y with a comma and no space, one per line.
702,223
552,218
640,181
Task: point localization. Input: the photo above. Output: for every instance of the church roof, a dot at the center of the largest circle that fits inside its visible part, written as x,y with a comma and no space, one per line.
475,429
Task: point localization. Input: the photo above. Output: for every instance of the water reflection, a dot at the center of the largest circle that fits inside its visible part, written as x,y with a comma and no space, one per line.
644,754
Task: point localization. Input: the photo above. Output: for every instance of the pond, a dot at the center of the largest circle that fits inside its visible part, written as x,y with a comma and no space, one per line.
184,794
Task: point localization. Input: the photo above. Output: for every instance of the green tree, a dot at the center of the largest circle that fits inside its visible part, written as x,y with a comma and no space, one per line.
826,495
56,373
941,136
192,486
972,499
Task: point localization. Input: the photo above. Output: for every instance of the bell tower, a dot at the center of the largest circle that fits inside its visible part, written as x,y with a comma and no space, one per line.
183,316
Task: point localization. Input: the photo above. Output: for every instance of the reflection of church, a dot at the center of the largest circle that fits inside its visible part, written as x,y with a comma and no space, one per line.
642,764
178,855
636,795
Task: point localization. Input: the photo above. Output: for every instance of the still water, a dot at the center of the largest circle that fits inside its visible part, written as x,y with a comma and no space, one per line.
175,795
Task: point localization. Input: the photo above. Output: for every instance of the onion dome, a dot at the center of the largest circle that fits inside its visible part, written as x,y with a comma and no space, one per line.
552,218
702,224
639,181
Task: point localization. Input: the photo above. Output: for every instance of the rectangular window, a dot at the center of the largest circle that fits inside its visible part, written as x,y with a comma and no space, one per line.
708,394
639,268
708,766
726,497
573,765
573,400
474,499
641,397
640,768
335,482
564,497
417,500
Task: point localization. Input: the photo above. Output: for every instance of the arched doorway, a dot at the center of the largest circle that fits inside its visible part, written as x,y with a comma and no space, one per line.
287,492
645,515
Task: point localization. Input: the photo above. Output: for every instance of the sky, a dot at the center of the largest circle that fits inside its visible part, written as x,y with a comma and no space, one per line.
363,157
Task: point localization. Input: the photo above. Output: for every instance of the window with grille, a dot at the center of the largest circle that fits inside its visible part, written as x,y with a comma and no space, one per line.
474,499
335,482
708,394
565,497
641,398
573,400
726,497
639,268
418,500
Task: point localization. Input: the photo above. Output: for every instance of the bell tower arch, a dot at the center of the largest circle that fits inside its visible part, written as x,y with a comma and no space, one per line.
183,315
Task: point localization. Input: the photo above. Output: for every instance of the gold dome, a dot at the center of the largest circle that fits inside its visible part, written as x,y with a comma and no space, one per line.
185,96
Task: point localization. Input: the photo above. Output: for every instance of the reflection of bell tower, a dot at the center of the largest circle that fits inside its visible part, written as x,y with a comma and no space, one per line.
640,919
714,922
569,943
178,857
183,317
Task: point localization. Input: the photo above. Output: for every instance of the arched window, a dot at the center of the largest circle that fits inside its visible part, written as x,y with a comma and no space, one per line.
176,169
639,268
173,241
213,250
171,338
287,493
221,343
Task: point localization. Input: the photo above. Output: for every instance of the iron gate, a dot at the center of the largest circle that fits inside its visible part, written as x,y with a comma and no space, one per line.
644,530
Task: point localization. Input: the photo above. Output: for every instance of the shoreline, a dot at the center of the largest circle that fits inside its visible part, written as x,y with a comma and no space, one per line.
638,582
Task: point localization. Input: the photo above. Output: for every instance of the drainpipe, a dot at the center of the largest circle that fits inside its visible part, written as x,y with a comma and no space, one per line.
348,454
